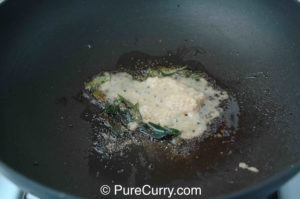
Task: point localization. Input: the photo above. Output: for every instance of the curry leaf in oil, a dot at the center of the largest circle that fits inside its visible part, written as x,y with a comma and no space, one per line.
158,132
133,109
121,115
160,71
165,71
96,82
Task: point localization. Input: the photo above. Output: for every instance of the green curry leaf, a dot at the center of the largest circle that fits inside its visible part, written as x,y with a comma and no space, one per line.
96,82
160,71
158,132
164,71
133,109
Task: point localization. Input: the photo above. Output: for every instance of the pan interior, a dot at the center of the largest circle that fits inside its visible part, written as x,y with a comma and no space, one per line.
48,49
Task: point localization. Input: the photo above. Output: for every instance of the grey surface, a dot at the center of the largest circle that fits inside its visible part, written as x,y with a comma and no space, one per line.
8,190
290,189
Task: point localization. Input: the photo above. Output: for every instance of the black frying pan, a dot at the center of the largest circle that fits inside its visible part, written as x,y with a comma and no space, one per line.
48,49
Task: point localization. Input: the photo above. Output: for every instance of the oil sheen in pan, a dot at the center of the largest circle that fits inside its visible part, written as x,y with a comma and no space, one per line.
154,163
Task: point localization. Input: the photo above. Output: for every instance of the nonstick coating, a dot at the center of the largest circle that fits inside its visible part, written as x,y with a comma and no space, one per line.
48,49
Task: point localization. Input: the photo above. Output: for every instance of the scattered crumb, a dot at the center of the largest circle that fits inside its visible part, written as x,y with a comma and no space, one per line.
132,126
243,165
